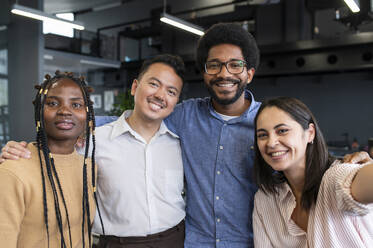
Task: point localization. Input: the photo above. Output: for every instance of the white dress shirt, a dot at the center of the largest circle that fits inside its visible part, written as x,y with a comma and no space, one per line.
336,220
139,184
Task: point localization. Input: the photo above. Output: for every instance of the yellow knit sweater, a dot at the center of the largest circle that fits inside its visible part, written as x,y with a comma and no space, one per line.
21,202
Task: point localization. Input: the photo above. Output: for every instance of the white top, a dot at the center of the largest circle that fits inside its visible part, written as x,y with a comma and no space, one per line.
139,185
337,220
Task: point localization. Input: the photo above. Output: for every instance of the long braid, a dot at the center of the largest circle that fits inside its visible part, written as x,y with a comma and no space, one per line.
85,202
38,140
93,126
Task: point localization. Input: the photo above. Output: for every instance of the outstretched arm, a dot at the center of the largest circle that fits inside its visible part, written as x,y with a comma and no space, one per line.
362,185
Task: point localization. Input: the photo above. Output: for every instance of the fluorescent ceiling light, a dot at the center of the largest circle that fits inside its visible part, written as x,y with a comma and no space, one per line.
180,23
353,5
48,57
97,63
42,16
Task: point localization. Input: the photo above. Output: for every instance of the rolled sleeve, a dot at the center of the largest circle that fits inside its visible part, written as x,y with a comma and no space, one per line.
343,175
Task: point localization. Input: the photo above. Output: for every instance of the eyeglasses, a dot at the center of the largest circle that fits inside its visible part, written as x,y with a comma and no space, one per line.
233,66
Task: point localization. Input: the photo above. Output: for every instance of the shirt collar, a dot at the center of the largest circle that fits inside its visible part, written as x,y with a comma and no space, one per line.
121,126
253,105
284,191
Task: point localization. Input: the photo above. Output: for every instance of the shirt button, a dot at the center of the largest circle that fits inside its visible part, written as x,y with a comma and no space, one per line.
221,147
217,198
252,147
218,172
218,220
217,240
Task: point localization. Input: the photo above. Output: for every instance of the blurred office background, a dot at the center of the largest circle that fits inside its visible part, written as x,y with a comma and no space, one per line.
318,51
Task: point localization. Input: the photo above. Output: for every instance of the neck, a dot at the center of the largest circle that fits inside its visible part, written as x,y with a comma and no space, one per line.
234,109
61,147
147,129
296,182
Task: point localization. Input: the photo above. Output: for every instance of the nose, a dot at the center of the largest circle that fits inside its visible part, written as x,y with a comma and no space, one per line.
64,110
272,141
160,94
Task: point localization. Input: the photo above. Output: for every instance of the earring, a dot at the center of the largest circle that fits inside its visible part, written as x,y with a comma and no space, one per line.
311,142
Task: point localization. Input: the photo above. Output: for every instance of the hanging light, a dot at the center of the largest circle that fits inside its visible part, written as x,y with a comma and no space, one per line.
353,5
182,24
42,16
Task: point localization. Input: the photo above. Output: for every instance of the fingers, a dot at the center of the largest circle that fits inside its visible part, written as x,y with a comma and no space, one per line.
80,142
15,150
357,158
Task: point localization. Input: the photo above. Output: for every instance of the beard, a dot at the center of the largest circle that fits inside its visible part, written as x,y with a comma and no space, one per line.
225,101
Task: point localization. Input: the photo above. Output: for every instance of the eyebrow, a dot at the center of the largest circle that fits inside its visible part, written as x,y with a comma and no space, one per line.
217,60
159,81
72,98
277,126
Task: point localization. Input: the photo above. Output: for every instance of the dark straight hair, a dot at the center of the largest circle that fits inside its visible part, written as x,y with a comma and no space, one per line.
318,159
174,61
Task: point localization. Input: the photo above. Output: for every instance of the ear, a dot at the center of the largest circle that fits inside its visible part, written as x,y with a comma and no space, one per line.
250,75
311,132
134,86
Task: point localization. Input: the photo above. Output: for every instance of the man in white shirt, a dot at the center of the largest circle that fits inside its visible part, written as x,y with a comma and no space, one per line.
140,176
140,172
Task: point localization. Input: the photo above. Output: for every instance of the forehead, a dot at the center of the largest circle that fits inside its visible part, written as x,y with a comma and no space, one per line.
64,86
272,116
164,73
225,52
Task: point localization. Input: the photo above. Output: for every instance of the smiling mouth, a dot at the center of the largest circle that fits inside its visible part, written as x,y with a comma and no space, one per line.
225,85
277,154
155,105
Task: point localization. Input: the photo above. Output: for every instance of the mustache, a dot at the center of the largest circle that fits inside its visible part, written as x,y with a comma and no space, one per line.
220,79
158,101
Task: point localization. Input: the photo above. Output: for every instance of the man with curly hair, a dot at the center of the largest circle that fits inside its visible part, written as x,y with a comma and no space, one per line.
217,138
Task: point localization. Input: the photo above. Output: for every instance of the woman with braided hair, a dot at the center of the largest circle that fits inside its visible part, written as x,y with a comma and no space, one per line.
47,201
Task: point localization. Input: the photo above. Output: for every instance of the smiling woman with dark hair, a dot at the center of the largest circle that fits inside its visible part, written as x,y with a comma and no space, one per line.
47,201
305,197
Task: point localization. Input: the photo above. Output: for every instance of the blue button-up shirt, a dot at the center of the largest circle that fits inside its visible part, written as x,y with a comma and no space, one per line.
218,159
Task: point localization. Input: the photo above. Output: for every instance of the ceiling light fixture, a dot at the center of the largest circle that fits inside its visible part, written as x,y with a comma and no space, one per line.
180,23
102,64
42,16
353,5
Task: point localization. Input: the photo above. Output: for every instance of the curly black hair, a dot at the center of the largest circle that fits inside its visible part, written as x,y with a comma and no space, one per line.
228,33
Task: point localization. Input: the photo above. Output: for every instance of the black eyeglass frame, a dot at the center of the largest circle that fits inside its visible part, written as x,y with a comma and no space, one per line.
226,67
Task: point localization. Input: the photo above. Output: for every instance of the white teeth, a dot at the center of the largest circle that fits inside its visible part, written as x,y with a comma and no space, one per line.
226,85
276,154
155,106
